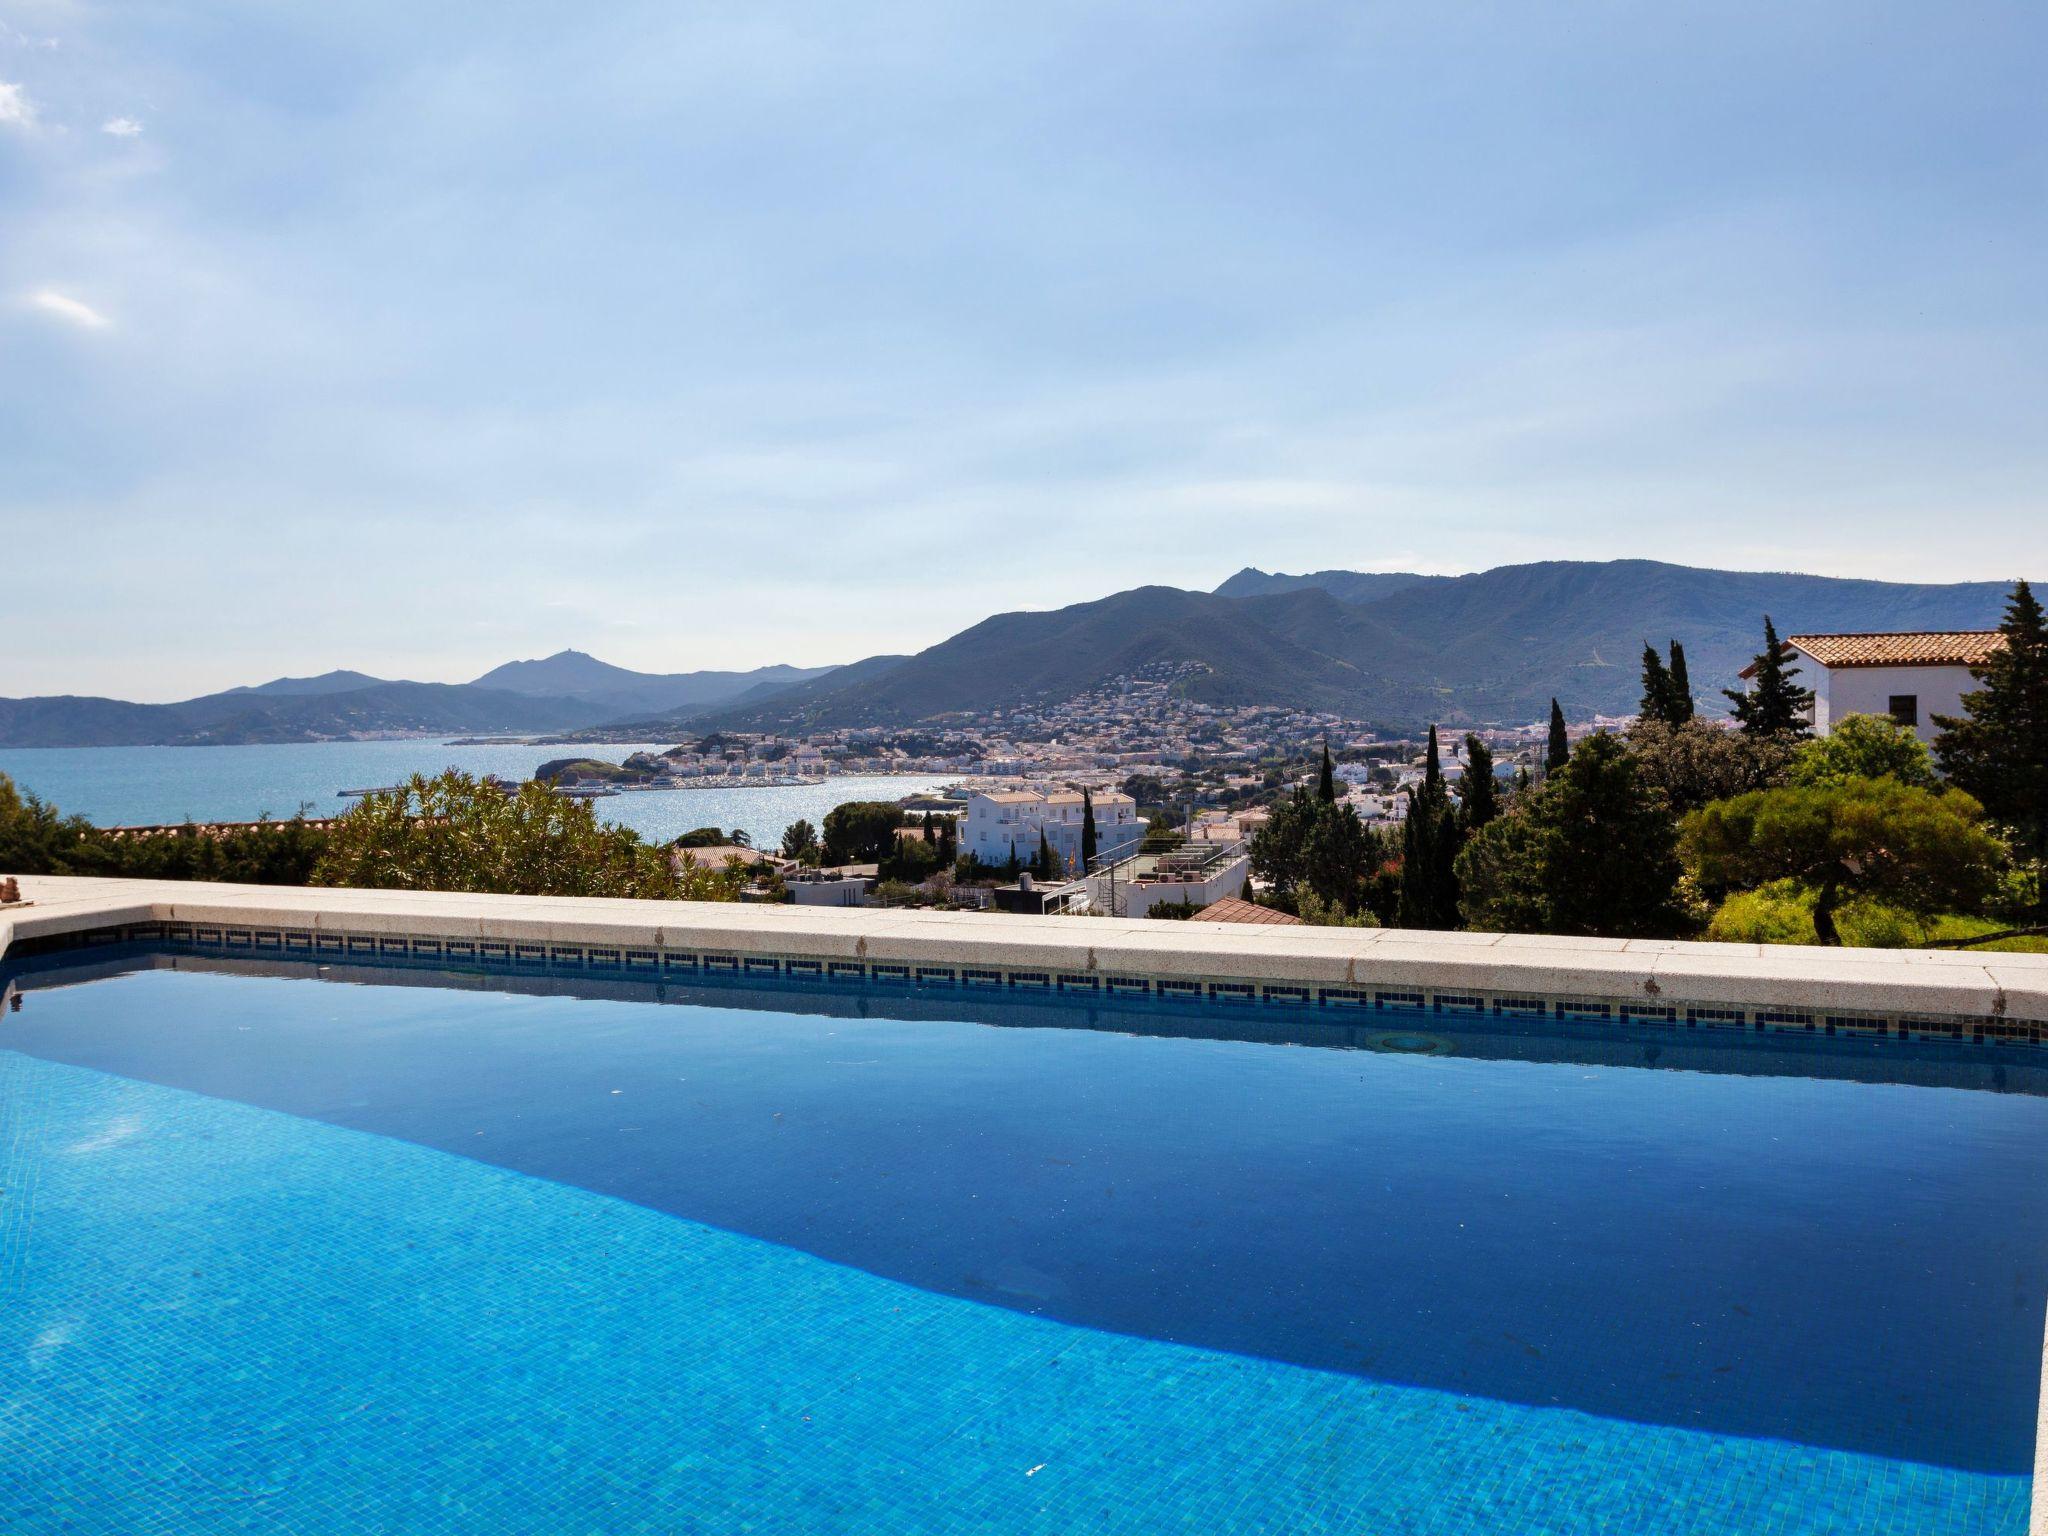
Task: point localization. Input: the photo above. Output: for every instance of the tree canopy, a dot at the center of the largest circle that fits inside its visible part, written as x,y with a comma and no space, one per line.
1696,762
1481,799
1864,747
1997,749
458,833
1593,851
1430,839
1558,750
1311,845
800,841
37,839
1919,850
862,831
1774,704
1667,691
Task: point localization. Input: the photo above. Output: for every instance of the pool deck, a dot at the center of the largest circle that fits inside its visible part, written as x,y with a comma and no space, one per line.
1996,996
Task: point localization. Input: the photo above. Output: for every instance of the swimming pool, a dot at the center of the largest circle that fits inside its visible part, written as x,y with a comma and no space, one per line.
290,1246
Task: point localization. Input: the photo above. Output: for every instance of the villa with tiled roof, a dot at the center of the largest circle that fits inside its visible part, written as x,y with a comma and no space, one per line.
1911,676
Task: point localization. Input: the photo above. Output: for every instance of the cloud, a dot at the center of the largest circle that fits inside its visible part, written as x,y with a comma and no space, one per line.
122,127
16,110
68,309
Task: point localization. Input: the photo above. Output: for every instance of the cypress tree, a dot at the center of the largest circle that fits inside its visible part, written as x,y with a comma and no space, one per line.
1043,866
1997,749
1430,839
1559,751
1657,697
1482,799
1774,705
1087,830
1326,786
1681,687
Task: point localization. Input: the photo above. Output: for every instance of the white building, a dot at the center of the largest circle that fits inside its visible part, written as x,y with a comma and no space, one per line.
1008,822
1199,873
846,887
1911,676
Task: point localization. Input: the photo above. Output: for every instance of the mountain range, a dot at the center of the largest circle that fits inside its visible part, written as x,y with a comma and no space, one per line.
557,693
1392,648
1397,649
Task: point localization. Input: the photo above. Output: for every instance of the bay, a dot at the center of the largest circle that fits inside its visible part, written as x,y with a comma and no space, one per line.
131,786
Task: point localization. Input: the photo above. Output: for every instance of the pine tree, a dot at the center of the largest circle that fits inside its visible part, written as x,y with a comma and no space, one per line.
1559,751
1997,749
1326,786
1656,702
1482,798
1594,851
1088,837
1681,687
1774,705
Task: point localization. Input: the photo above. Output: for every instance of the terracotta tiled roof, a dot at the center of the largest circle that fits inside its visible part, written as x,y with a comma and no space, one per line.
1231,910
715,857
1961,648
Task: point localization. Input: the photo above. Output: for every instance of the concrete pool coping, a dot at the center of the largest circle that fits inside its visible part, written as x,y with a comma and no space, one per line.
2001,997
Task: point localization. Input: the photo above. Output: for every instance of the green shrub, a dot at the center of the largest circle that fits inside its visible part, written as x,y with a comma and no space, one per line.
1778,913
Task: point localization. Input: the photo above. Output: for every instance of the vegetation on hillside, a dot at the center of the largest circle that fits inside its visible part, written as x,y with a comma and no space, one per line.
1683,828
38,839
455,832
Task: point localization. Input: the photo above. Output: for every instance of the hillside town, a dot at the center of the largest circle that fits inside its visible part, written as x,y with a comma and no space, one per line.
1131,800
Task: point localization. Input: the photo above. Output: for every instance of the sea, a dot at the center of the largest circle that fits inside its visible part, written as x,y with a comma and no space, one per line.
147,786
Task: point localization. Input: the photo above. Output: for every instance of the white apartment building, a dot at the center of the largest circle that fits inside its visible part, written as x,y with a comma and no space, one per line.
1911,676
1009,821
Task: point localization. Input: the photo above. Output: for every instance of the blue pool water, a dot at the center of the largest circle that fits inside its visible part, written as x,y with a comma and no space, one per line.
283,1253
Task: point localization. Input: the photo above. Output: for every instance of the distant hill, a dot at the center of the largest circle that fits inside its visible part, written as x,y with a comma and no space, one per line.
1345,586
244,715
339,681
777,704
577,675
1492,646
562,692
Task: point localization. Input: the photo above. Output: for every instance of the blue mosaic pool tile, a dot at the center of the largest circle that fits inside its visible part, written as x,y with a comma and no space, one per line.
217,938
329,1332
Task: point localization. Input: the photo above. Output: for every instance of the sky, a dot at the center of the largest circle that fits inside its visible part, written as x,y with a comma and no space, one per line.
416,338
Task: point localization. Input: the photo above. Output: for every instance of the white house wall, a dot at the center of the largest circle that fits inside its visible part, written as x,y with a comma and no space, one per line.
1868,691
